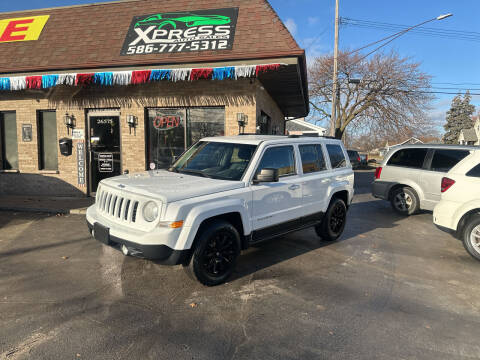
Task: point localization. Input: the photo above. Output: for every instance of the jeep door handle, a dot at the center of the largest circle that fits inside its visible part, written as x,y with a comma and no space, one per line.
294,187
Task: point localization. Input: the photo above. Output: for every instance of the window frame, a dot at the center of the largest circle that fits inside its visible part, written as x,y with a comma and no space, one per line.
40,145
2,140
426,161
295,163
320,145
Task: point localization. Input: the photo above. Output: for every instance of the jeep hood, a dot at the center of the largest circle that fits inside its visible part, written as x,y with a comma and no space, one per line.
169,186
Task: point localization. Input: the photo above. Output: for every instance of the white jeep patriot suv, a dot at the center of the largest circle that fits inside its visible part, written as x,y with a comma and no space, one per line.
223,195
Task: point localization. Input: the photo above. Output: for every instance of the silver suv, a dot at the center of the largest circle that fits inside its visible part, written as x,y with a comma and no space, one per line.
410,176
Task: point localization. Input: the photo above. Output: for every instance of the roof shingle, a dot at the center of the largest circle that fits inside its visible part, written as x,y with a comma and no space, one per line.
92,36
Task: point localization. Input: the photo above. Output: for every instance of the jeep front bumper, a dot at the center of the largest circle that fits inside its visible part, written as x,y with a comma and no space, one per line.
158,245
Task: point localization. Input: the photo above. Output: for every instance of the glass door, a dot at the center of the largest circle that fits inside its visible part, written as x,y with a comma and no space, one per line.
104,147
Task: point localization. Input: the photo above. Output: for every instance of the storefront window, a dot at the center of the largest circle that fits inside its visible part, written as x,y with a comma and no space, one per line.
203,122
171,131
47,140
9,146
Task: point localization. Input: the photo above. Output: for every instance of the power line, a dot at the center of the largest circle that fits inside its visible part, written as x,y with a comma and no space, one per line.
450,83
426,31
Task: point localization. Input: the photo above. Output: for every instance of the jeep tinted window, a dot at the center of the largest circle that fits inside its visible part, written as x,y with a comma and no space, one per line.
475,172
281,158
443,160
337,158
412,158
312,158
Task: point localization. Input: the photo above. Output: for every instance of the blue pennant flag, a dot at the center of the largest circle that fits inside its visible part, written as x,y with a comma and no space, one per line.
223,73
103,78
157,75
4,83
49,81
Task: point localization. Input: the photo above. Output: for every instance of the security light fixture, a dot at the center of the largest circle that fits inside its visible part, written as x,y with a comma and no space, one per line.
132,122
242,121
69,121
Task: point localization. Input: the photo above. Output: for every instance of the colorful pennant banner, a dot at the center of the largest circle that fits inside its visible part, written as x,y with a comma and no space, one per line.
134,77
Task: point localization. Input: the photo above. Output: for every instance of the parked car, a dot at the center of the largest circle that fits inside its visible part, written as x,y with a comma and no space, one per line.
410,176
354,157
223,195
459,210
363,160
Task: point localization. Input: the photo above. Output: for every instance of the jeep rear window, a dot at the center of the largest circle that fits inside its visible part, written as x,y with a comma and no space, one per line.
444,159
412,158
337,157
475,172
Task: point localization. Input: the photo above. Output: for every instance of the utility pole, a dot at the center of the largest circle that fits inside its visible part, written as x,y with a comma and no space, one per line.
333,117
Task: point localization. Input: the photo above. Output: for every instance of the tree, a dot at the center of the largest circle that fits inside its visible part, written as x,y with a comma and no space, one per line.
459,117
391,97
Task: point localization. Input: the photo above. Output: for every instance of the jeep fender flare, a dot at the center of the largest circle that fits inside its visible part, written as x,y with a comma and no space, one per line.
339,186
209,210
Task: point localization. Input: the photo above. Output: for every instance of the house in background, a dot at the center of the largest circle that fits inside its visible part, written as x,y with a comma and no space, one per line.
411,141
470,136
301,127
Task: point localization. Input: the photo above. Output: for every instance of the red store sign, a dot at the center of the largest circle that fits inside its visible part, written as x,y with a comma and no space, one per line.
167,122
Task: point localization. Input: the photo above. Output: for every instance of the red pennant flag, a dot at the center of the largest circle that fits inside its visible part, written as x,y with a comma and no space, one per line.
141,76
198,74
34,82
84,79
264,68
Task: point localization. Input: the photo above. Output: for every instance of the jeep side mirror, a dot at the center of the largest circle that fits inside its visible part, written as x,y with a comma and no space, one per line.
266,175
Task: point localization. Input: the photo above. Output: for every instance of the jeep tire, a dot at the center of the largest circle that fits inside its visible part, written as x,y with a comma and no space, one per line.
333,223
215,253
471,236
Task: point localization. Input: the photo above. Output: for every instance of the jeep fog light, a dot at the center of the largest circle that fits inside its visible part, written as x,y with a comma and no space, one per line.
150,211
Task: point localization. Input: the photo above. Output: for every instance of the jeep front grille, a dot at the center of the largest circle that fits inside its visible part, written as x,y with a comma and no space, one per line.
117,206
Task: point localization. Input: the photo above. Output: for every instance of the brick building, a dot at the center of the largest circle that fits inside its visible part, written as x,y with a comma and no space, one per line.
129,85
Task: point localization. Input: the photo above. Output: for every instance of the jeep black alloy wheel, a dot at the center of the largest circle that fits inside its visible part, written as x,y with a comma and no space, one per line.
333,223
215,254
337,219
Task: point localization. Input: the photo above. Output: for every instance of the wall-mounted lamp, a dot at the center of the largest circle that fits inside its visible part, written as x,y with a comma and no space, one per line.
132,122
69,121
242,121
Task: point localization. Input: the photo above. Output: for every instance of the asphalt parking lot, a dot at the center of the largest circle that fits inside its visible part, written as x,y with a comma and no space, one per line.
391,288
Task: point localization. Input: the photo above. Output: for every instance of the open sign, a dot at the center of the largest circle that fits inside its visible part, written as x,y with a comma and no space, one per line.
167,122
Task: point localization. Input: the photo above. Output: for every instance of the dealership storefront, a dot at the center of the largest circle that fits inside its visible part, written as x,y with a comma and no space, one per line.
147,81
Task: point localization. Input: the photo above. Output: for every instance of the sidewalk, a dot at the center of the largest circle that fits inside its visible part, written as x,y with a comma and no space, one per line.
44,204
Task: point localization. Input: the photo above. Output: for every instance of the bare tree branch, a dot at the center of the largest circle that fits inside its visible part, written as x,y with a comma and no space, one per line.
391,97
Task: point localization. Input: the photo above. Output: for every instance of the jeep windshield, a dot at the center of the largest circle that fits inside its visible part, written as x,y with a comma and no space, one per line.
217,160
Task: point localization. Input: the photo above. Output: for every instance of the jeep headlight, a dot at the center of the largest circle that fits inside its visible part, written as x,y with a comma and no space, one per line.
150,211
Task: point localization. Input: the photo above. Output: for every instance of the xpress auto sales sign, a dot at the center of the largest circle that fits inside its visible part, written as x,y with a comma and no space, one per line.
200,30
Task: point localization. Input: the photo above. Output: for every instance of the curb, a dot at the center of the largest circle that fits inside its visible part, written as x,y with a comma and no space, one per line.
80,211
